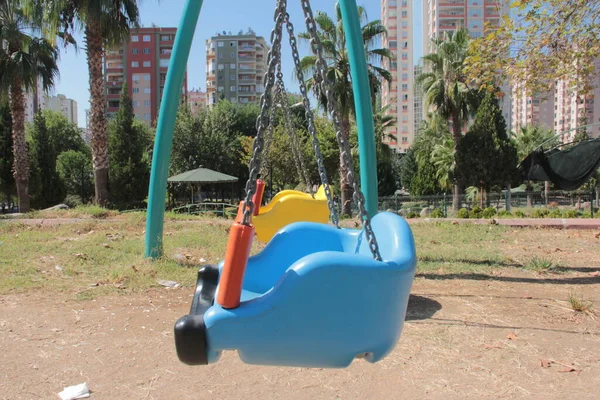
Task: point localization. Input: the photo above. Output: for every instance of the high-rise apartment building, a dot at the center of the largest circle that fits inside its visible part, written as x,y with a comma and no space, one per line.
528,109
142,62
573,109
418,99
235,66
35,100
562,110
61,104
196,100
441,16
397,17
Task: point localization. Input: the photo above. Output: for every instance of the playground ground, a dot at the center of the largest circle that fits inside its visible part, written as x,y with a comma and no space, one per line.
491,316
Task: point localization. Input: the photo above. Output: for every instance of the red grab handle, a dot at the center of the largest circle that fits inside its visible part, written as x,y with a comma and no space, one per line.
234,267
257,198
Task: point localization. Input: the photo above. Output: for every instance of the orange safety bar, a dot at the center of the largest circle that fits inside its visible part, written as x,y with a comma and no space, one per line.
257,198
234,266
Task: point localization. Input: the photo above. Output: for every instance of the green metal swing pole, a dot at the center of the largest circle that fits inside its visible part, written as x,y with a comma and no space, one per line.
362,103
166,125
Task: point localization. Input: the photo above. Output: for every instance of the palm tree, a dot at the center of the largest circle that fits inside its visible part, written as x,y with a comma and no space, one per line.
333,39
105,23
24,60
528,139
446,90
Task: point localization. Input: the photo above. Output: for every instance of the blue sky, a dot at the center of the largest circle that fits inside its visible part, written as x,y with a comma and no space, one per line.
216,16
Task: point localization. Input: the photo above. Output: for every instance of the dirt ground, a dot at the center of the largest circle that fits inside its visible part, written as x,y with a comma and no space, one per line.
503,337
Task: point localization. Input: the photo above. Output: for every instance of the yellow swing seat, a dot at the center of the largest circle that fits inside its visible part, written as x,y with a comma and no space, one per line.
290,206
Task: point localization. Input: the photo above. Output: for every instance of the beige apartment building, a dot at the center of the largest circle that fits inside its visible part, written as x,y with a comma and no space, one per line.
397,17
235,66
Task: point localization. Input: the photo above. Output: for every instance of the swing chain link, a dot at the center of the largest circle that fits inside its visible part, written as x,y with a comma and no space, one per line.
289,125
263,169
325,87
333,213
266,101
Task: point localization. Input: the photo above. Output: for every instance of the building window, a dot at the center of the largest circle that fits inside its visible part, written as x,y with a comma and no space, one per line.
146,38
220,44
404,108
135,64
404,87
164,63
136,103
393,44
135,38
404,140
135,90
221,55
146,103
404,14
232,66
146,77
147,117
147,64
232,55
135,78
232,77
221,67
232,89
166,38
147,90
404,76
405,97
146,50
232,44
135,50
221,89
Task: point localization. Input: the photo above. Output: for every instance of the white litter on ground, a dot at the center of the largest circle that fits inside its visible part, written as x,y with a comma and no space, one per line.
75,392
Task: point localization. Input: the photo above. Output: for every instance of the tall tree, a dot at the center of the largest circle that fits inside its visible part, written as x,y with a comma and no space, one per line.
446,90
332,36
130,167
25,60
486,157
106,23
75,171
50,134
7,181
538,42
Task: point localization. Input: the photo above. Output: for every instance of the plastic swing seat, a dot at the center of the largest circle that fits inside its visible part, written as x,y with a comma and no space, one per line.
313,297
290,206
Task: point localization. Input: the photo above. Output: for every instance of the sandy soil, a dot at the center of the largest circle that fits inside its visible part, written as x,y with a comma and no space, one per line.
503,336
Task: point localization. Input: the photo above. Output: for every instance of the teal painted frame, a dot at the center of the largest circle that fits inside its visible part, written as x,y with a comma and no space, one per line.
170,104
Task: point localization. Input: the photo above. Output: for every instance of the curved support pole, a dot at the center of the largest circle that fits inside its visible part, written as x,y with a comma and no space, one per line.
166,126
362,103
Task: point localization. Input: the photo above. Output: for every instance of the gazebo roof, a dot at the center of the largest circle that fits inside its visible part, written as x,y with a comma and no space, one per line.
202,175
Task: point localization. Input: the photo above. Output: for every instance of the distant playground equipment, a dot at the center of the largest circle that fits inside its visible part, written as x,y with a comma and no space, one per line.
317,295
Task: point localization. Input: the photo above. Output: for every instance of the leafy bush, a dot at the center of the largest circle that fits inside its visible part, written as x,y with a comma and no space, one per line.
570,214
463,213
437,213
73,201
489,212
540,213
555,214
413,214
519,214
586,215
505,213
476,213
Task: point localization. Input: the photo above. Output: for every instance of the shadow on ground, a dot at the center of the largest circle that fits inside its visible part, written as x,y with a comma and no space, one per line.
420,308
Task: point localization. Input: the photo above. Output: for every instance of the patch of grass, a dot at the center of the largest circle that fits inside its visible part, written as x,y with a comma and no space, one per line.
579,304
539,264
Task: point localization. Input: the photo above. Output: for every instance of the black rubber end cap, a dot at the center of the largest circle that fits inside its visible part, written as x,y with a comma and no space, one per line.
190,340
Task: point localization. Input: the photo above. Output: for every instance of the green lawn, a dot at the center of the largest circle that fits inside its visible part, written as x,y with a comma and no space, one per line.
96,256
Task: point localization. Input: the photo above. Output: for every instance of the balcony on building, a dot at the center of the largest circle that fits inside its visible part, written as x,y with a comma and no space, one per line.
451,13
247,46
167,39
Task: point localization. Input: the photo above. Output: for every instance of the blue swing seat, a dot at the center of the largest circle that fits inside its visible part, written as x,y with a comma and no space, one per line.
313,297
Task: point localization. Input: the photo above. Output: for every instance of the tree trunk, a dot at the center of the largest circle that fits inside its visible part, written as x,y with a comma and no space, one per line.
20,152
598,195
508,197
482,198
99,134
345,185
457,136
528,188
546,191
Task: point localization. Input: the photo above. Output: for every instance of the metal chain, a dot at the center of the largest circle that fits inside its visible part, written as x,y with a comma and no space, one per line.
265,105
335,219
263,167
321,68
289,125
